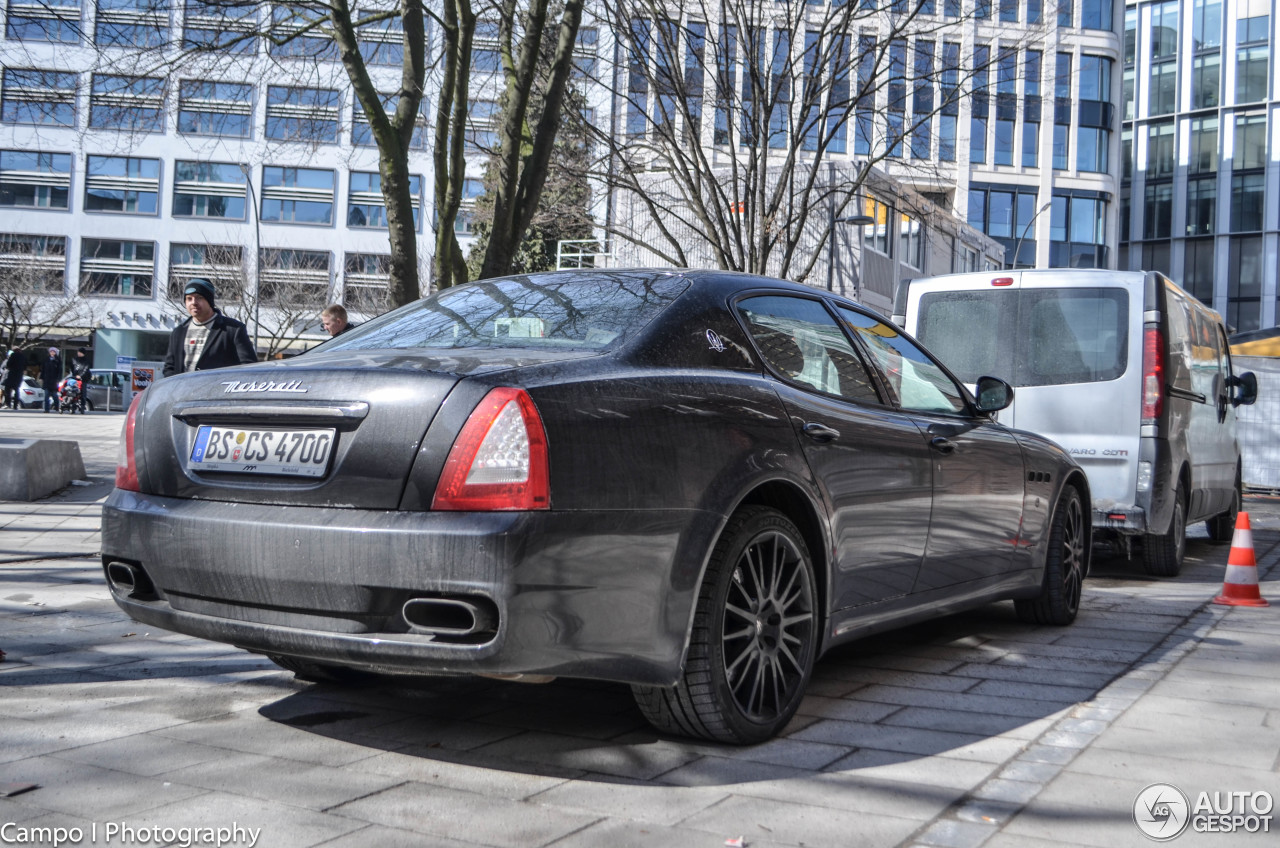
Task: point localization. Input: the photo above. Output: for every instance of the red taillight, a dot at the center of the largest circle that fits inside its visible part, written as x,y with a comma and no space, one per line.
1152,374
499,460
1002,281
126,466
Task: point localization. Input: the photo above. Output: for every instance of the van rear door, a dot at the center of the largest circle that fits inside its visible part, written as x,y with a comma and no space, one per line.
1066,343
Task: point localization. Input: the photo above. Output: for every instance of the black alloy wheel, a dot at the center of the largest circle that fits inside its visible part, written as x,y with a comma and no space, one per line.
1066,565
1162,553
754,639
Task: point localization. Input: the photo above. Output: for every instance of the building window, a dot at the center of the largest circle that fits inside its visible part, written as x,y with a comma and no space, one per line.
47,20
1202,206
1009,11
293,34
1065,8
120,268
1247,191
381,41
1250,142
1197,269
1095,14
947,138
293,278
951,8
33,263
122,184
132,104
47,98
1160,158
585,51
35,180
302,114
208,190
893,134
132,23
366,207
1206,73
1164,30
1162,98
910,241
1092,148
212,26
1158,211
221,264
1204,145
876,234
1206,24
482,127
297,195
1077,226
1062,112
1031,145
1251,73
366,280
1244,283
362,132
215,108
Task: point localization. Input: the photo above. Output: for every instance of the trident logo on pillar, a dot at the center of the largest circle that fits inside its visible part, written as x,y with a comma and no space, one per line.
1240,587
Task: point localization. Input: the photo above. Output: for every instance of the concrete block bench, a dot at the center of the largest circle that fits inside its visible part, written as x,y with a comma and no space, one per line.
33,468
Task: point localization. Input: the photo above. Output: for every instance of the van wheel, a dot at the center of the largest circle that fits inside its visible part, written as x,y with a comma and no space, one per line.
754,640
1065,565
1223,527
1162,552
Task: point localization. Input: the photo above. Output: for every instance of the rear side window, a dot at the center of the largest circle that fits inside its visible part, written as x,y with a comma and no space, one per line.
800,340
1029,337
579,312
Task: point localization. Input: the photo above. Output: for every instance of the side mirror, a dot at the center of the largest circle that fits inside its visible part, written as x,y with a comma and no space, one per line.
994,394
1246,388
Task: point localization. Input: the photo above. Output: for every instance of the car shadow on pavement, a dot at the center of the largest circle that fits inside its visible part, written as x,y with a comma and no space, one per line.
975,688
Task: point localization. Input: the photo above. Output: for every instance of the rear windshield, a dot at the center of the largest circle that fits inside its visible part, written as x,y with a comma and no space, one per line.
1029,337
578,312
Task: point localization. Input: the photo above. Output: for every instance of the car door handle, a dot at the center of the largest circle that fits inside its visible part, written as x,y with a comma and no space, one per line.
942,445
820,432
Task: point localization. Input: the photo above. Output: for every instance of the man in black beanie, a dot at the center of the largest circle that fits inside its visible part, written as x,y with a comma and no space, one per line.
208,339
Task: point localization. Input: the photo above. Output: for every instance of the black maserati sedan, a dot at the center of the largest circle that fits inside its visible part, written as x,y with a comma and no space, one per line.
692,482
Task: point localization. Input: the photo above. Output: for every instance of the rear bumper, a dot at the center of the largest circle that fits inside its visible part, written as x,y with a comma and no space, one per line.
604,595
1128,521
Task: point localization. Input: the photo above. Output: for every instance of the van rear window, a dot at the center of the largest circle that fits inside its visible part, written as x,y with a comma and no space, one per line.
1029,337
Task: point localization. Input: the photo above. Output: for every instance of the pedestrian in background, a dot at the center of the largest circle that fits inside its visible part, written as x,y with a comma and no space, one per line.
80,368
17,369
334,320
208,339
50,375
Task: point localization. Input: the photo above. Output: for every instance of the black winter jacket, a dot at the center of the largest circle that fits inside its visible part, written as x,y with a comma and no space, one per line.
228,344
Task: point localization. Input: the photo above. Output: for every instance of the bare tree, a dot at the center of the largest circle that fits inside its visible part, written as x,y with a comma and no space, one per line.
749,129
536,61
32,297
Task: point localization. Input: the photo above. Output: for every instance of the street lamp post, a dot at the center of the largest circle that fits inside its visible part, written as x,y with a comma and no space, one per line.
1017,249
257,257
832,220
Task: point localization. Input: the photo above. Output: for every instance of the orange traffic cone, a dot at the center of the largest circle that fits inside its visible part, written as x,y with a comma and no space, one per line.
1240,588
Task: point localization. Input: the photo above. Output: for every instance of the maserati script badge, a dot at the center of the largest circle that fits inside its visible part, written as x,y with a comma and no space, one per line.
241,386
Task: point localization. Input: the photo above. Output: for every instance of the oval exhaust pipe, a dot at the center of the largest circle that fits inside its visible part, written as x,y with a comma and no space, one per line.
131,580
447,617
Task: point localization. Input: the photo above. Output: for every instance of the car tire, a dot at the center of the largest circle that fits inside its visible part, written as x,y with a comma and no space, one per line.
1162,553
1066,564
1222,528
319,672
754,639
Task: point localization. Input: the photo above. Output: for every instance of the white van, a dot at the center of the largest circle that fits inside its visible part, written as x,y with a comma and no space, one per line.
1124,369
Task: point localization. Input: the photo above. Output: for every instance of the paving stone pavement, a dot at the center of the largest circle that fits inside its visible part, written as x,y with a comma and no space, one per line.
976,730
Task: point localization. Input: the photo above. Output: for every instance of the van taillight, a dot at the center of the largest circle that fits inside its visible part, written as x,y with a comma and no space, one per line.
499,460
1002,281
1152,375
126,463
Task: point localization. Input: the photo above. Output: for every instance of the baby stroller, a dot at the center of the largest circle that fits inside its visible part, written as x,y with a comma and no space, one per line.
71,395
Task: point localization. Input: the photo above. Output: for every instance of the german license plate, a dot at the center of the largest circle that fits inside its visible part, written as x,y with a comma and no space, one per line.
301,453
